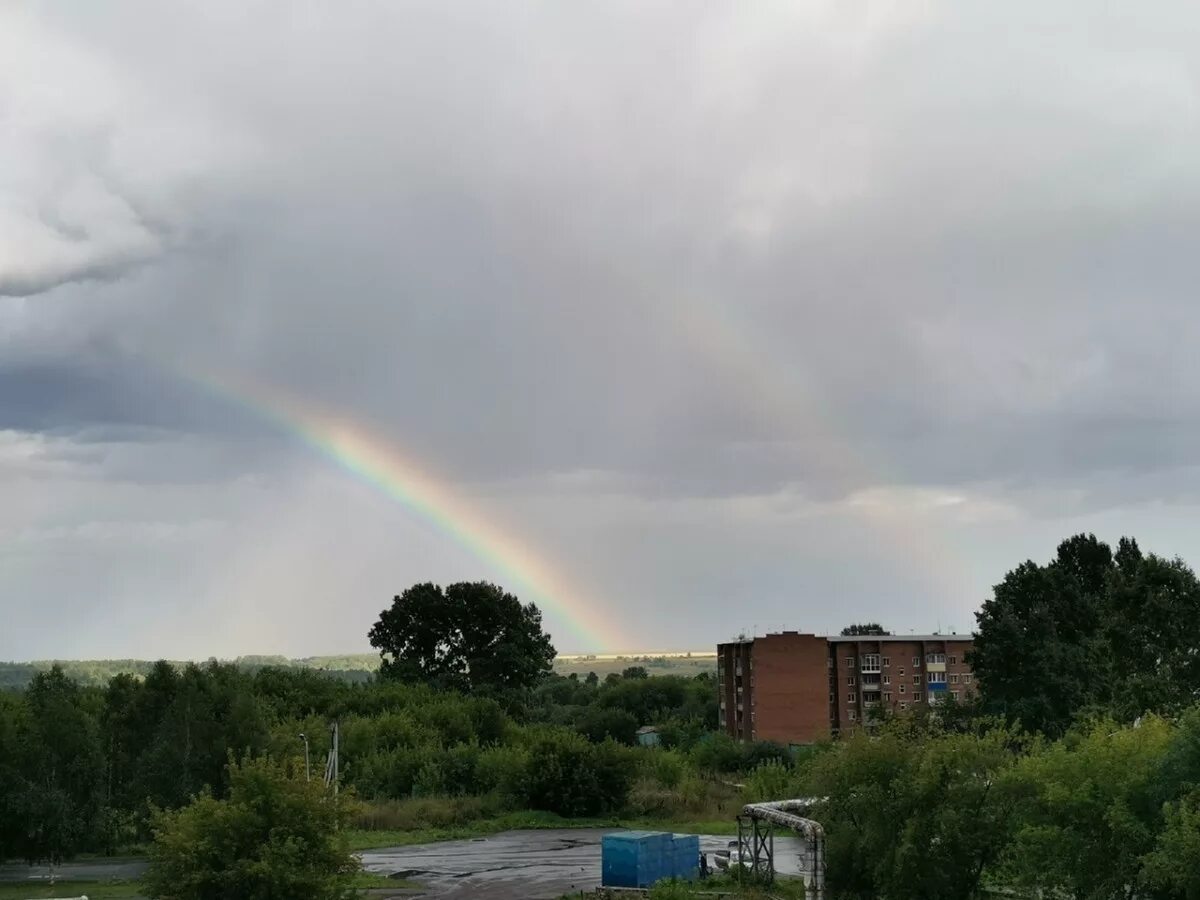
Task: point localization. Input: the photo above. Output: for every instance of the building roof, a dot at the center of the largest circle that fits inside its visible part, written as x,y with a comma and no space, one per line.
901,637
841,638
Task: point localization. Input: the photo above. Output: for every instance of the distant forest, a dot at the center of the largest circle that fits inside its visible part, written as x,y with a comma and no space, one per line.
355,668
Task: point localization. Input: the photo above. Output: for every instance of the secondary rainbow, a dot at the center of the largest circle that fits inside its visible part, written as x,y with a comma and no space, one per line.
379,463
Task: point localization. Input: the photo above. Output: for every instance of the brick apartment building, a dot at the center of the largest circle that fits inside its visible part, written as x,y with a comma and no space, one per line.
798,688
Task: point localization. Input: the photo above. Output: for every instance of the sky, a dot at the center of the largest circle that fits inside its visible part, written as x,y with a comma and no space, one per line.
680,320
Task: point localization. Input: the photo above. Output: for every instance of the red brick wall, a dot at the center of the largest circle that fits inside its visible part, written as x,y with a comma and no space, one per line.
790,688
898,672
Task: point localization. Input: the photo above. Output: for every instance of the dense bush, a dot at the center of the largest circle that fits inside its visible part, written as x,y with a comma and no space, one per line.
568,775
275,835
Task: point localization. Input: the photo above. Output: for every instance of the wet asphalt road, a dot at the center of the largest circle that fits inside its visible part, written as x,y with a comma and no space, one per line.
523,865
513,865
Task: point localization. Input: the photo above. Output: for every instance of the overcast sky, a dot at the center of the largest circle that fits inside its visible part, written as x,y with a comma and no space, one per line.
732,316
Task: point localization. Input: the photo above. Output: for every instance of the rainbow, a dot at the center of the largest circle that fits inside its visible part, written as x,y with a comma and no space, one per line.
379,463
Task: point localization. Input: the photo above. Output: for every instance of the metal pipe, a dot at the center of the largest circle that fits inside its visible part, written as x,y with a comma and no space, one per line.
786,813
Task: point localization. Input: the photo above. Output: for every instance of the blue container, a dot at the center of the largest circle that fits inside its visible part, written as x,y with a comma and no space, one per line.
636,858
685,856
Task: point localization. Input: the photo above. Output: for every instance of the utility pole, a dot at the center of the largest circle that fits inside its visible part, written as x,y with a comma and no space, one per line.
331,764
307,767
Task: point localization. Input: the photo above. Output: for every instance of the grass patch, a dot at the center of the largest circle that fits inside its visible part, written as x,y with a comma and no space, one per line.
370,839
131,890
95,890
718,885
366,880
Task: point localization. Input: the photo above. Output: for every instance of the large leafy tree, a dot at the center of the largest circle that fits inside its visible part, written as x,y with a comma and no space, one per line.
58,794
1038,653
1092,630
470,636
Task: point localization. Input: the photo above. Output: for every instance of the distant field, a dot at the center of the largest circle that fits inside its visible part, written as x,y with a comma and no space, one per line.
356,666
654,664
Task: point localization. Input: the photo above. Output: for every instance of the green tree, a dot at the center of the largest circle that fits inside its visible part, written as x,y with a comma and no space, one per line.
59,799
1152,632
275,836
470,636
598,724
1090,810
864,628
1090,632
1039,653
914,812
1172,868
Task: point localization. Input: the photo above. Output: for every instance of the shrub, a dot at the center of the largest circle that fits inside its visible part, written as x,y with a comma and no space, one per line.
569,776
275,836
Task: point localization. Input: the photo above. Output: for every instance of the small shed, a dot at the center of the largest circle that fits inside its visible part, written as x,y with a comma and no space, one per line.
647,735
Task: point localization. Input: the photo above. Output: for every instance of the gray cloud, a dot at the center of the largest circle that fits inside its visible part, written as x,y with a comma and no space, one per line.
691,301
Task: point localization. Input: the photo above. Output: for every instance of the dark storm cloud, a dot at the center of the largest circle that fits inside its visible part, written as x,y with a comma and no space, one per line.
503,272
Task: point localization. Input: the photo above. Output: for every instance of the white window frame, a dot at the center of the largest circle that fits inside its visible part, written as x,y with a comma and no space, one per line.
850,681
849,662
852,697
916,696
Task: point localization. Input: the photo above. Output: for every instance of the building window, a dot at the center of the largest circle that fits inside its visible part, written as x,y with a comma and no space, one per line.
953,660
887,661
851,715
870,661
916,696
967,678
887,679
850,680
938,677
851,697
902,671
830,661
916,662
849,662
954,695
902,689
916,679
904,706
831,698
887,697
954,679
936,658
